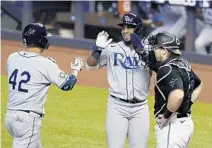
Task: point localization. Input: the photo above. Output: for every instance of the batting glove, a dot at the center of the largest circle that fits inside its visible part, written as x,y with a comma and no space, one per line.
102,40
77,64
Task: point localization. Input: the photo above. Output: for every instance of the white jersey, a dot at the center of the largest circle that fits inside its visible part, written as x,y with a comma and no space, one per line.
29,77
126,74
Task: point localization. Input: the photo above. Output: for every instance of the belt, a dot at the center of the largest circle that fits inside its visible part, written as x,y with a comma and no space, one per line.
180,115
183,115
132,101
28,111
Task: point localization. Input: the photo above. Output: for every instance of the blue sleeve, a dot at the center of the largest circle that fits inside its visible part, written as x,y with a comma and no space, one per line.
69,83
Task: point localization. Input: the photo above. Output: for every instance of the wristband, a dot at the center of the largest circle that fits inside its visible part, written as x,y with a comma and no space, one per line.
167,113
96,54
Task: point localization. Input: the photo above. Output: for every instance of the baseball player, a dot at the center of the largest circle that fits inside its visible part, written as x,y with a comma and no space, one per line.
204,39
177,87
174,19
127,109
29,78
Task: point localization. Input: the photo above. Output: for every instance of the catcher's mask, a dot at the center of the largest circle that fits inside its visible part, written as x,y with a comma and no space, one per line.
165,40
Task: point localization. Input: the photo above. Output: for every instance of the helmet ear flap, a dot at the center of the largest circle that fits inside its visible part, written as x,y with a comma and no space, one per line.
44,43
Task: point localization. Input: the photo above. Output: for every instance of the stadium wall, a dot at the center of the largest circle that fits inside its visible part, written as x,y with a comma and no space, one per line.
79,43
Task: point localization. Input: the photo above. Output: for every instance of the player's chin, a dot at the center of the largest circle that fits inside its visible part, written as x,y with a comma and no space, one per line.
126,38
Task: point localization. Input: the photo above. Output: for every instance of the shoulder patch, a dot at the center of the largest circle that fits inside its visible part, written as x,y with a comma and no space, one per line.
163,72
53,60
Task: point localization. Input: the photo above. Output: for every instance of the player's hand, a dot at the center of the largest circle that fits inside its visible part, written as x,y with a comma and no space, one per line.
77,64
161,121
102,40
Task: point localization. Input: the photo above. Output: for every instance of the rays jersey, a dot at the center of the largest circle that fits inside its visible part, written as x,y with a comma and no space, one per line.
126,74
29,77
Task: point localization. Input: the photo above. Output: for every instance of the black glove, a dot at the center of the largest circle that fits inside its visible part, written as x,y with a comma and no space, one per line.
148,56
137,44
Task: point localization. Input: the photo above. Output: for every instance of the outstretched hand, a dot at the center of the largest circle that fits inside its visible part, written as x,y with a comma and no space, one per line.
77,64
102,40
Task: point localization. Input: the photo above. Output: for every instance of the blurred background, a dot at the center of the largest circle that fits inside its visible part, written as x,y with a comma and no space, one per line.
190,20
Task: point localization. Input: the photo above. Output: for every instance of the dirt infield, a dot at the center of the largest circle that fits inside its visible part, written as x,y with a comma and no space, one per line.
63,56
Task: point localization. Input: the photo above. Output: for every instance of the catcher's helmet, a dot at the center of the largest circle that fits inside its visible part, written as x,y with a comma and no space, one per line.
35,35
166,40
132,20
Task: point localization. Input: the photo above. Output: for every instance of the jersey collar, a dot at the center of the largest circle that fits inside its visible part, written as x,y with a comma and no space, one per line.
28,54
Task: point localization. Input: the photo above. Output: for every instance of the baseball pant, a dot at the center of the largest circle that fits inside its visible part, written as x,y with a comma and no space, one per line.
24,128
176,134
127,120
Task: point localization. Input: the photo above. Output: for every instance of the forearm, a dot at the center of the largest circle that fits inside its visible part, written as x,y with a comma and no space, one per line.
196,93
91,61
75,73
174,101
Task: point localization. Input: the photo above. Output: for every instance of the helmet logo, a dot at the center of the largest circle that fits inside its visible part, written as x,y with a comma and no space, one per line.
128,19
30,32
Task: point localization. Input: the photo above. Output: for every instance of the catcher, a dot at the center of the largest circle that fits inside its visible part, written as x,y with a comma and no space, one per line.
177,87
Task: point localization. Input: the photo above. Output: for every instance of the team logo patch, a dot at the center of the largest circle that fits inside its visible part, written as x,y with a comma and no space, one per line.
62,75
128,19
173,82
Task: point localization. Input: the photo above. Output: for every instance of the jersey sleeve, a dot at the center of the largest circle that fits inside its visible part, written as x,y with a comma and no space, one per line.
173,81
55,75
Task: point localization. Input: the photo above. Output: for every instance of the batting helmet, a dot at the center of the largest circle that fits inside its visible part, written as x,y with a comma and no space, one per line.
133,20
35,35
166,40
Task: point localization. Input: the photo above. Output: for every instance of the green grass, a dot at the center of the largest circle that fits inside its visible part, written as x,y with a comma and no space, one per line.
76,120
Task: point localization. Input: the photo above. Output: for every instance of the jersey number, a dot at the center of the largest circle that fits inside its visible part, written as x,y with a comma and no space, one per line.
13,77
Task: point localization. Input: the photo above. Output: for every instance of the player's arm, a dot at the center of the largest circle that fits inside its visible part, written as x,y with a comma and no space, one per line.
198,85
62,80
97,57
175,90
72,79
144,50
173,84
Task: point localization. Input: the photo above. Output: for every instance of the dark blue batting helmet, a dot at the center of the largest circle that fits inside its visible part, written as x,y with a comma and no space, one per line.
132,20
35,35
